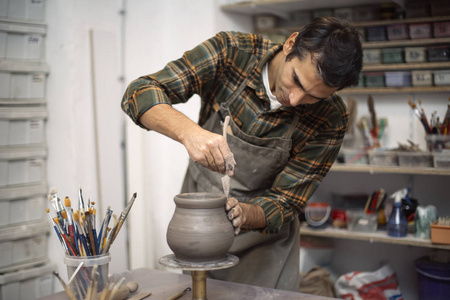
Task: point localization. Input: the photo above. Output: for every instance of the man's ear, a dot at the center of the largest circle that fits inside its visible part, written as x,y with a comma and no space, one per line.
289,44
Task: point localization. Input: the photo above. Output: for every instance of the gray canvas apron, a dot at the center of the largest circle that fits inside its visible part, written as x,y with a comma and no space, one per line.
268,260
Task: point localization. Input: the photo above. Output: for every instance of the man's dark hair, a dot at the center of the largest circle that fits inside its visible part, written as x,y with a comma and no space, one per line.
336,48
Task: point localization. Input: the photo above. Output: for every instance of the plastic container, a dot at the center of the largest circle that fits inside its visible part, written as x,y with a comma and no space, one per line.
83,276
437,142
23,246
397,226
433,279
441,160
22,167
439,8
22,126
438,53
355,157
21,211
422,78
398,79
440,234
263,22
374,79
366,13
317,214
24,42
28,284
420,30
31,10
345,13
441,77
441,29
397,32
415,159
357,220
371,56
415,54
22,86
393,55
376,33
383,158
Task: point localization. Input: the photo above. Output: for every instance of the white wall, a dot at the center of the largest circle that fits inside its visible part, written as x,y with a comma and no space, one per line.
70,127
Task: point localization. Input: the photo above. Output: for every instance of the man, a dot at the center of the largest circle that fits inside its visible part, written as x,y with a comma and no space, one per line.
286,129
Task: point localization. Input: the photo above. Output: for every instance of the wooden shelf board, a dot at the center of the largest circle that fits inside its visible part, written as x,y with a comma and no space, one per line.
406,43
388,170
378,236
396,90
407,66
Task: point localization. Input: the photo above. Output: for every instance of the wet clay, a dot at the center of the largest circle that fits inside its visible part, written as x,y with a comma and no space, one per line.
199,230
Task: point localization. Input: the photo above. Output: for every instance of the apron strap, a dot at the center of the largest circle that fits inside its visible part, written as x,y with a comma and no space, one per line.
291,128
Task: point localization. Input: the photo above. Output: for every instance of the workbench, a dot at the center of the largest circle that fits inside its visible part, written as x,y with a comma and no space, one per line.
163,284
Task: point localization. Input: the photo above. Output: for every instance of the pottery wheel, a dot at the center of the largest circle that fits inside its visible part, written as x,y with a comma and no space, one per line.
198,271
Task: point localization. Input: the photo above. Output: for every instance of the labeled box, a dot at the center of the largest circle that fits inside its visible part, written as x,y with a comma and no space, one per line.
398,79
22,126
376,33
415,54
22,86
28,284
438,53
393,55
422,78
442,77
24,42
420,30
23,246
31,10
374,79
371,56
397,32
441,29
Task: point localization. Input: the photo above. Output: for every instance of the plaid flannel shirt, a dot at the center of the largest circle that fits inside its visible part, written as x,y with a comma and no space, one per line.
213,70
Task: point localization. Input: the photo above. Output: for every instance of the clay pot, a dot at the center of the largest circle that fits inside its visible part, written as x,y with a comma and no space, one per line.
199,230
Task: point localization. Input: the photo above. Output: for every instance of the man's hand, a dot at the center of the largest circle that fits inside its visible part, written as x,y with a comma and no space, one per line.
205,148
211,151
245,215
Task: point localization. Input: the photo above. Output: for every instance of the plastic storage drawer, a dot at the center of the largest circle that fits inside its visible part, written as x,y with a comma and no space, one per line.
420,30
28,284
374,79
23,42
442,77
22,166
441,29
371,56
415,159
376,33
415,54
438,53
21,211
31,10
23,246
393,55
422,78
397,32
22,86
398,79
22,126
383,158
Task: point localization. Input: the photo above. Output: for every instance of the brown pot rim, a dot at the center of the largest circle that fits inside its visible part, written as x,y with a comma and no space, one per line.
200,200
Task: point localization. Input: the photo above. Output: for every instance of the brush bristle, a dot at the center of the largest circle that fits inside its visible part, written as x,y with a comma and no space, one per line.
76,216
67,202
53,191
47,210
49,197
64,214
56,220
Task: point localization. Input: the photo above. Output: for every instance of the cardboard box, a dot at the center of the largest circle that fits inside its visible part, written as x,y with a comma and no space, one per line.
440,234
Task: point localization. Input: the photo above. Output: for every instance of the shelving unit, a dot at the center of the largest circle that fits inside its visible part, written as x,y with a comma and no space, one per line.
416,246
371,237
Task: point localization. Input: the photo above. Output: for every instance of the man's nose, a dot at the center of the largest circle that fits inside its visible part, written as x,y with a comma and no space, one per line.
296,97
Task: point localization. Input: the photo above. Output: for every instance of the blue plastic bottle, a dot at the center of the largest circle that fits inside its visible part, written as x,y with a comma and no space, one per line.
397,226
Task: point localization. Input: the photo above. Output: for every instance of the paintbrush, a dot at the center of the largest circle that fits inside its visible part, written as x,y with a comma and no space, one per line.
373,117
123,216
66,288
52,222
80,201
76,218
88,230
111,234
64,237
104,229
69,212
419,115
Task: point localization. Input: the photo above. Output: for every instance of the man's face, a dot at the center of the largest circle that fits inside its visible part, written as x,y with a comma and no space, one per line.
297,82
